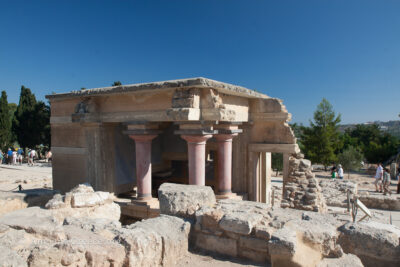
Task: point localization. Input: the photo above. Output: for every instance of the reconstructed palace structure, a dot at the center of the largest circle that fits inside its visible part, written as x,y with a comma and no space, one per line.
190,131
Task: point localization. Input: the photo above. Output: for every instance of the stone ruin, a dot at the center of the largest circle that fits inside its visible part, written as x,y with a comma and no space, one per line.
301,190
81,228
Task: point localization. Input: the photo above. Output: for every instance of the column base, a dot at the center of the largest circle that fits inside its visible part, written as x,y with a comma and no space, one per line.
228,196
142,209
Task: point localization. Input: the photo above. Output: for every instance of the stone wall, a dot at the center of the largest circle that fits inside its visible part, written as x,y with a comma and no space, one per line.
300,189
277,236
380,201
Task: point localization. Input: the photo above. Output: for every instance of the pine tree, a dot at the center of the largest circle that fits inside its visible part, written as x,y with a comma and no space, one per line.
5,123
24,119
321,140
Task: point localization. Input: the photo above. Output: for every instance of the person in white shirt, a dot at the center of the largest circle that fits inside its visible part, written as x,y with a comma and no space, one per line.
378,178
340,171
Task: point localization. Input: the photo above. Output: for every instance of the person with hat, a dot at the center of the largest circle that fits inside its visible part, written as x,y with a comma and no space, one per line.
340,171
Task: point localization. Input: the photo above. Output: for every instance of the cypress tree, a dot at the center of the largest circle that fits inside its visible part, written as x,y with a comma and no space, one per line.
5,123
24,119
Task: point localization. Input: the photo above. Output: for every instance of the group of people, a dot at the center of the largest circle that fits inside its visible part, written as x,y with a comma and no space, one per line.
337,172
16,156
383,180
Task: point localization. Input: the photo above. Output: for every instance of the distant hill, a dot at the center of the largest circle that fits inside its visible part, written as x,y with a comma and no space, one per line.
391,127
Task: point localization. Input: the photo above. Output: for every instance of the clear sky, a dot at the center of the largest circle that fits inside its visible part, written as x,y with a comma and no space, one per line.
300,51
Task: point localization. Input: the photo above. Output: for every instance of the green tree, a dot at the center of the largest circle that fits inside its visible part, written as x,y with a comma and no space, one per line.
321,140
12,108
277,162
375,145
24,119
5,123
116,83
350,159
42,124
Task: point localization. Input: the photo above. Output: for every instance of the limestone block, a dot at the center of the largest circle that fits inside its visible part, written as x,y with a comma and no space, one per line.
35,220
253,243
240,222
82,200
184,200
174,233
376,244
344,261
253,255
220,245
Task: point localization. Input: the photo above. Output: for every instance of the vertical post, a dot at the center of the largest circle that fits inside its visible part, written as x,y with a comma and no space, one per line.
143,165
197,158
224,164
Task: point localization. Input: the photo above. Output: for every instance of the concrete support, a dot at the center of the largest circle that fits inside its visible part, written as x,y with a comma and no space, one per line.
197,158
143,165
224,152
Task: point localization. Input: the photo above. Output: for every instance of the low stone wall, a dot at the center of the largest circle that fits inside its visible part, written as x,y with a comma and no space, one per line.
281,237
300,189
381,201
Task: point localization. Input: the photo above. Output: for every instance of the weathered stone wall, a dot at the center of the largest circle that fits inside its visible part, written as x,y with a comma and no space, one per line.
380,201
301,190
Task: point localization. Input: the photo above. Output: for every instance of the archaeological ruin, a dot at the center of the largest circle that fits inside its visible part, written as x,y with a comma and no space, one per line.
191,131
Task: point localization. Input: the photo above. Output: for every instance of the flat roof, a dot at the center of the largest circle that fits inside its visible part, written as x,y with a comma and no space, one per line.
200,82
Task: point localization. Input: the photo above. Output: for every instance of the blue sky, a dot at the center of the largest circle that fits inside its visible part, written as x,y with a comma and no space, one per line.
299,51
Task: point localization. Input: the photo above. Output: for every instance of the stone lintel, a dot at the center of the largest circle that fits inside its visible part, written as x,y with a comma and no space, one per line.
195,132
141,125
271,116
275,148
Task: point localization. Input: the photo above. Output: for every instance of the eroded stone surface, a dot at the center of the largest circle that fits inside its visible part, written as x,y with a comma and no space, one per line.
184,200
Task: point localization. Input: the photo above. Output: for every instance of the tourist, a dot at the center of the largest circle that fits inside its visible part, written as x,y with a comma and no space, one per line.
20,156
340,171
9,156
1,157
386,181
378,178
333,171
15,156
48,156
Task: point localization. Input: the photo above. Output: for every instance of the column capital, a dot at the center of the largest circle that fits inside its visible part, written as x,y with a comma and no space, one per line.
142,137
198,139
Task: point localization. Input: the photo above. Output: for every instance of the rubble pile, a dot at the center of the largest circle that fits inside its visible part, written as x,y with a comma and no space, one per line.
301,189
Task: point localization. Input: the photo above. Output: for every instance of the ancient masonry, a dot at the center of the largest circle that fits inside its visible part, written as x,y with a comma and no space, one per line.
133,138
301,190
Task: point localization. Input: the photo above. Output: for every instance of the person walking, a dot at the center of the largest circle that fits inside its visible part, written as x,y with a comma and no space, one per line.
340,172
9,156
333,172
386,181
378,178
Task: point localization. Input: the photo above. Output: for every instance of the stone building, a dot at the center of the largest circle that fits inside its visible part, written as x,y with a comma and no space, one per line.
190,131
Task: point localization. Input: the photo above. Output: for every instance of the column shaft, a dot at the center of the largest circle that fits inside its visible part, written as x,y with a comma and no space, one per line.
196,156
143,165
224,146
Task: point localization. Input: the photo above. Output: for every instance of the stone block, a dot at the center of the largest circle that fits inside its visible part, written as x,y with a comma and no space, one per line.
256,256
184,200
220,245
253,243
240,222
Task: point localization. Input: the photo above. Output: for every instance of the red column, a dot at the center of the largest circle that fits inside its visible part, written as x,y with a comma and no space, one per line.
224,142
143,165
197,158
